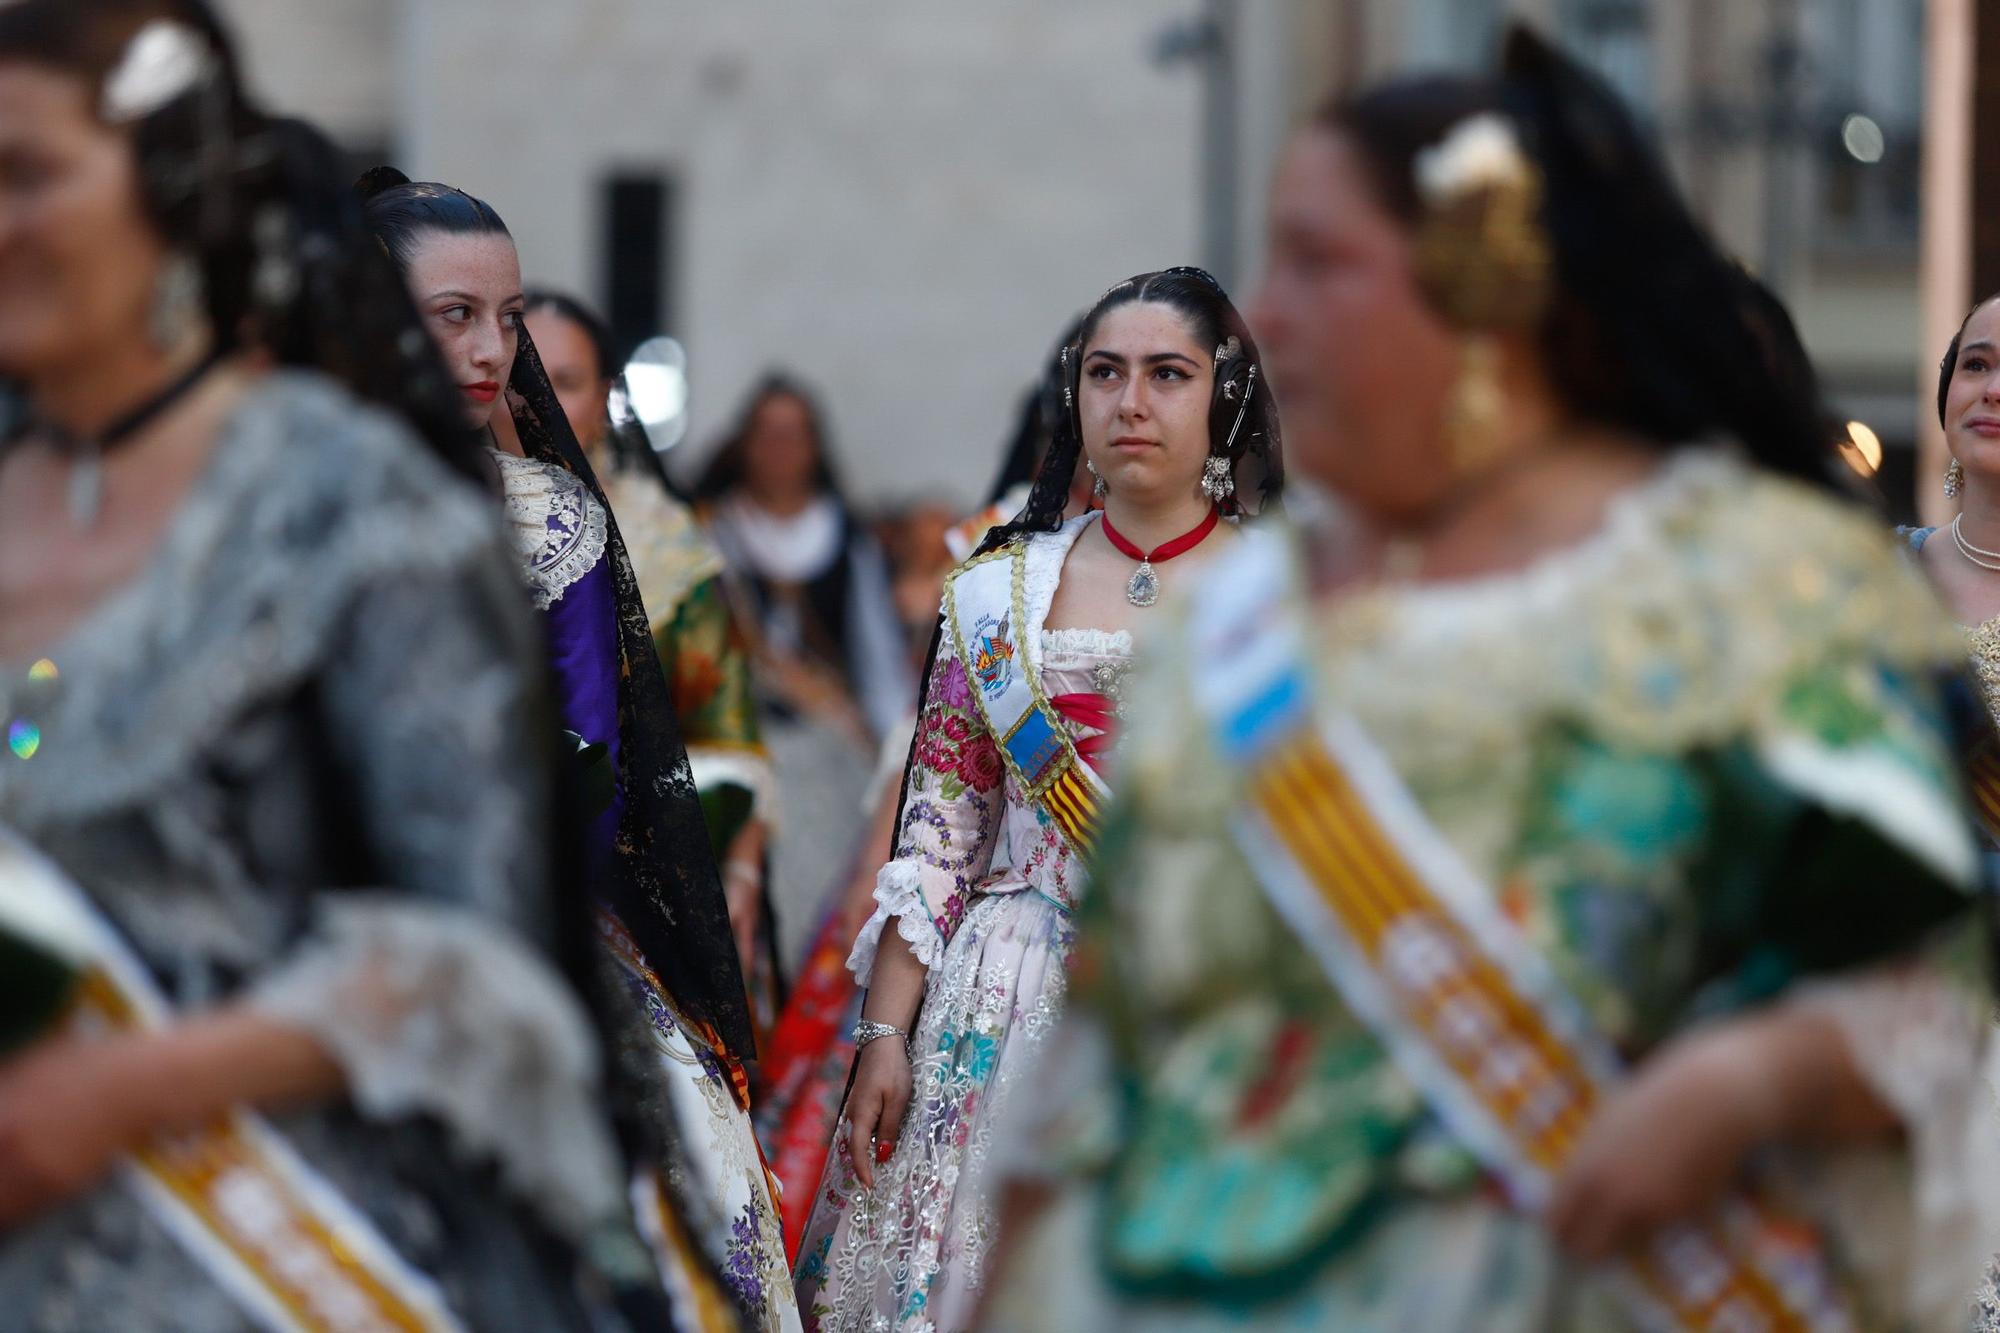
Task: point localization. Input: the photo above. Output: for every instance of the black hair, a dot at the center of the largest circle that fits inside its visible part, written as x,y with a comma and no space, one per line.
725,471
662,882
1036,422
1242,417
1950,363
576,312
400,210
1651,330
258,204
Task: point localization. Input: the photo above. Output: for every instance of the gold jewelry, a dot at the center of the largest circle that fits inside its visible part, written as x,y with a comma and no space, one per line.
1476,409
1483,261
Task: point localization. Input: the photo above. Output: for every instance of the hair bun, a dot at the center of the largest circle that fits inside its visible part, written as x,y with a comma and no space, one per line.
377,179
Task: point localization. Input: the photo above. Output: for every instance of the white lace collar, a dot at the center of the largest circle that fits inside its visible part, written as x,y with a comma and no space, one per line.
1632,526
559,529
1044,554
797,548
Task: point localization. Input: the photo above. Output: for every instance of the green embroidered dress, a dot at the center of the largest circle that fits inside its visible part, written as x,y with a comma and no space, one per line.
1701,762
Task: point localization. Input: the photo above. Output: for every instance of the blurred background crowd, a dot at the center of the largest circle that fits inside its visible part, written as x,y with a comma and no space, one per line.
893,210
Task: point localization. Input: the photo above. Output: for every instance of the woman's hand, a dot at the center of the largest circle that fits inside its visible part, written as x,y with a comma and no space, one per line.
67,1110
743,889
876,1106
1673,1139
69,1107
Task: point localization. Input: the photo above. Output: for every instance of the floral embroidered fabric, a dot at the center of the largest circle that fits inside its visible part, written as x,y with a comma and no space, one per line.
982,888
1699,760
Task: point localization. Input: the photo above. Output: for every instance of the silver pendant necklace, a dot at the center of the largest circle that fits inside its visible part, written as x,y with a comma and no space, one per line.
86,484
1143,589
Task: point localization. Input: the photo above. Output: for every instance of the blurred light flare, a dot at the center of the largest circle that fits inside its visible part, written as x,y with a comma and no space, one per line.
1862,449
1862,138
44,670
24,738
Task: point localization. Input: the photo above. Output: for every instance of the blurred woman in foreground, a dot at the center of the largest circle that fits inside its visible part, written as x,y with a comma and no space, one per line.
1540,900
276,726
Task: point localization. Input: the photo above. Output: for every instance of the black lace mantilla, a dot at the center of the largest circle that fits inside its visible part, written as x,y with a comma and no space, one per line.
663,883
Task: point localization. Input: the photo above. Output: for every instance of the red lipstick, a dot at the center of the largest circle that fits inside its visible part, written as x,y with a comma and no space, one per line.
485,391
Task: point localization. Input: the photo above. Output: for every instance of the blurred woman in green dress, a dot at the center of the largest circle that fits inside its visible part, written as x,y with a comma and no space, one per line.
1541,897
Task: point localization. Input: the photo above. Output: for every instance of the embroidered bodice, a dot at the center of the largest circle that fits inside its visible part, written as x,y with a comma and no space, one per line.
968,828
1697,759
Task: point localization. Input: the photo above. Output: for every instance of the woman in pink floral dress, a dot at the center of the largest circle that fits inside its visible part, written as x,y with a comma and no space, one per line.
965,953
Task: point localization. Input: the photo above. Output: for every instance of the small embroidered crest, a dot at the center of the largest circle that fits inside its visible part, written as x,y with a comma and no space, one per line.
992,655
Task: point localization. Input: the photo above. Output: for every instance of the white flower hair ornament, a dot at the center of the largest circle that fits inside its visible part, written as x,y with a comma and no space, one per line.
1479,153
1482,255
163,61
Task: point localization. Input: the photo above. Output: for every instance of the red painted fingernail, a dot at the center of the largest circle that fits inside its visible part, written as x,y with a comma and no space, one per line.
883,1151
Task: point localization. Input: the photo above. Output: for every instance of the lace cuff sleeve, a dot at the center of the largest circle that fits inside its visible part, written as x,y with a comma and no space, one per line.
952,801
428,984
1924,1045
899,897
435,1010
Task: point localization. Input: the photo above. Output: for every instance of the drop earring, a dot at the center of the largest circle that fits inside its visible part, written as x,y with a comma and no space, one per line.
1475,409
1954,480
179,298
1098,489
1218,483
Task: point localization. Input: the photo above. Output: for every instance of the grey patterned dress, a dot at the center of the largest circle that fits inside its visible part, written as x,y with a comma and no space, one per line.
289,763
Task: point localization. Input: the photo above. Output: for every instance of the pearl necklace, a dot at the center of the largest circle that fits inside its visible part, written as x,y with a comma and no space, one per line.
1978,555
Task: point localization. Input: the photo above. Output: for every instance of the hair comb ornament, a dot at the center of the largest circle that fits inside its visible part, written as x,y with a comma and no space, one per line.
1200,275
163,61
1483,258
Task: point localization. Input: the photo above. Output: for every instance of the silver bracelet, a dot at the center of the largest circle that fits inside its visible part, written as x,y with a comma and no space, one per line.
867,1030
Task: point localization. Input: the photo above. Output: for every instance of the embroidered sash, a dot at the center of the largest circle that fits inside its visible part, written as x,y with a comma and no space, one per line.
269,1229
986,615
1982,777
1411,938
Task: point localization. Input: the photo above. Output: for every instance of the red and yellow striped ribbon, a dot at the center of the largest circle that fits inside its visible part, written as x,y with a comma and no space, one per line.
1072,802
1982,775
1547,1095
277,1235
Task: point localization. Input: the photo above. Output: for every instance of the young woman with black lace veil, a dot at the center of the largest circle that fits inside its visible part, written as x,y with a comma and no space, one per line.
277,782
645,861
1165,402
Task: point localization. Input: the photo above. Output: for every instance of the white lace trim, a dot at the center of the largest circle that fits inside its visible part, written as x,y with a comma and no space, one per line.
1041,575
1631,526
1707,589
438,1011
1898,802
899,893
1087,642
785,549
1927,1051
558,528
715,765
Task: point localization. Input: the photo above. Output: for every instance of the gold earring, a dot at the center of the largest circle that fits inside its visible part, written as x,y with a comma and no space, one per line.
1474,411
